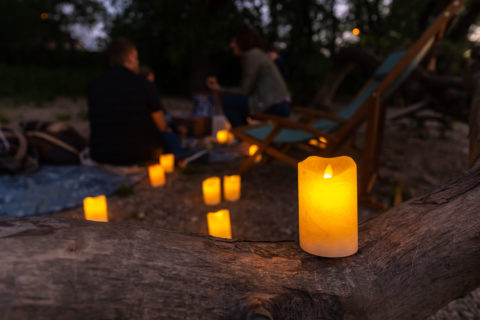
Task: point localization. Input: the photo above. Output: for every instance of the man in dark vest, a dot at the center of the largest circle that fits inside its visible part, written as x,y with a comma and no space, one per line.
127,120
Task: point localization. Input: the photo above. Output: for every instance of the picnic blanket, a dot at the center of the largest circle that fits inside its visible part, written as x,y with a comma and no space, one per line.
57,188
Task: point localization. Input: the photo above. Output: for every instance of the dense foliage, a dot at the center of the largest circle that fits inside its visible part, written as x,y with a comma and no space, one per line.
185,41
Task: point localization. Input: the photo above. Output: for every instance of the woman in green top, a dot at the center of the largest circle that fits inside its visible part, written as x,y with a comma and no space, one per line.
263,88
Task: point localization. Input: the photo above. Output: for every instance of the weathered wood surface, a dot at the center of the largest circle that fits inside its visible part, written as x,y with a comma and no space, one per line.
474,119
412,260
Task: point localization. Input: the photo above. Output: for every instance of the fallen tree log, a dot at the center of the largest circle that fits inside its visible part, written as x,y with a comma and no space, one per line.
412,260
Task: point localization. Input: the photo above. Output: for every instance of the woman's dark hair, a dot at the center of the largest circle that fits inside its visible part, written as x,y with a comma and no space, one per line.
247,38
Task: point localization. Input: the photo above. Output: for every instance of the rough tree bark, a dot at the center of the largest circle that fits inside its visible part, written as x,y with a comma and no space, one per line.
412,260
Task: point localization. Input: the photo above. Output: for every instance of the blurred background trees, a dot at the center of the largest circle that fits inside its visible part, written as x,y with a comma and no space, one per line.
53,47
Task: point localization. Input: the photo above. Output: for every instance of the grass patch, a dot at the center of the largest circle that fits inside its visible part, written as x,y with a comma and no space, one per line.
4,119
63,116
39,84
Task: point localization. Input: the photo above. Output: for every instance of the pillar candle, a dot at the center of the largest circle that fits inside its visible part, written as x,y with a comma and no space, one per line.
168,162
211,190
219,224
232,186
156,173
251,151
327,203
95,208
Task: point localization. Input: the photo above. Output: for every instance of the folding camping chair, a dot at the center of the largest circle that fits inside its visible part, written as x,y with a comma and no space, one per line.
275,135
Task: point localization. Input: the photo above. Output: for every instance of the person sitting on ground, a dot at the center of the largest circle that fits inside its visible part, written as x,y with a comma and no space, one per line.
263,88
279,61
127,122
179,130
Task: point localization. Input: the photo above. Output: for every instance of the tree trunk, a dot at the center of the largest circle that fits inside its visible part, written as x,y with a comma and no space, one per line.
412,260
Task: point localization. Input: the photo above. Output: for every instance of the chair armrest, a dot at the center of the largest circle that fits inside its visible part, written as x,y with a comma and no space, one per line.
287,123
319,113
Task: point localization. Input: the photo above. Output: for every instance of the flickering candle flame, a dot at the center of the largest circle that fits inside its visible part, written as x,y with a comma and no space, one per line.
95,208
251,151
327,206
232,187
156,173
219,224
328,172
211,191
168,162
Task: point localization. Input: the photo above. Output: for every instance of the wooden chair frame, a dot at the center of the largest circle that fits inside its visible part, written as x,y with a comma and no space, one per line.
370,111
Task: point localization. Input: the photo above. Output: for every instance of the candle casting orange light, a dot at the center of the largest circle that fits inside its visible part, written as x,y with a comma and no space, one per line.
327,203
156,173
168,162
231,187
251,151
211,191
95,208
320,142
224,136
219,224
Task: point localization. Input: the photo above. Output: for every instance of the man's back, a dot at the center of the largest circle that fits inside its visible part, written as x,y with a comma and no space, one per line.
121,128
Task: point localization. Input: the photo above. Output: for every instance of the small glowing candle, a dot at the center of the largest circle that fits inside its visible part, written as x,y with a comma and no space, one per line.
327,204
95,208
211,190
222,136
156,173
219,224
320,143
232,187
168,162
251,151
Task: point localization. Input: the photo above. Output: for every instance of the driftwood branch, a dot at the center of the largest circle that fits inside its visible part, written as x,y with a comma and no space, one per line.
474,119
412,260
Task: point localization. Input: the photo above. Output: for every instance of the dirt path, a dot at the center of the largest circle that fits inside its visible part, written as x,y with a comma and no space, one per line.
414,160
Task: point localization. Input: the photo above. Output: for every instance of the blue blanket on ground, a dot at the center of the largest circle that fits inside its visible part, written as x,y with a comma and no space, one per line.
57,188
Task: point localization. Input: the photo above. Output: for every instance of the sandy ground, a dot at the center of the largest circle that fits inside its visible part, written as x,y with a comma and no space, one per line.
414,160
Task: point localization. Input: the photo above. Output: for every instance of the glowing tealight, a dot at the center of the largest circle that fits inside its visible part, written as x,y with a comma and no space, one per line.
168,162
251,151
232,186
95,208
156,173
211,190
219,224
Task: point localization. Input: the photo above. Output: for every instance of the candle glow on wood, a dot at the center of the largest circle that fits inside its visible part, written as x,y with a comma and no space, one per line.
168,162
95,208
327,202
251,151
320,142
211,191
219,224
232,187
156,173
